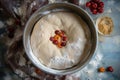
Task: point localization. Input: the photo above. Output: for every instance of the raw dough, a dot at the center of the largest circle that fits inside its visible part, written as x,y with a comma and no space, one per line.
52,56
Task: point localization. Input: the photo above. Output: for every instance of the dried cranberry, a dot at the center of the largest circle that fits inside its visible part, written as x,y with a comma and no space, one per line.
63,31
55,42
101,69
96,1
110,69
94,11
91,9
88,4
38,71
57,32
64,38
51,38
94,5
92,2
63,44
100,10
101,4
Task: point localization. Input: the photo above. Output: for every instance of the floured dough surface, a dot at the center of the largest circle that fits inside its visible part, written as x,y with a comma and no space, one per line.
48,53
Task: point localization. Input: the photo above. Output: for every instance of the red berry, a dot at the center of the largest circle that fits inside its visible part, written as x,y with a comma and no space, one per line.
94,5
91,9
91,2
101,4
96,1
55,42
100,10
94,11
51,38
110,69
63,44
57,32
64,38
38,71
88,4
63,31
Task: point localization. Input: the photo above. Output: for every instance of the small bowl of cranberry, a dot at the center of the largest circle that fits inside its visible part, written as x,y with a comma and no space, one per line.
95,6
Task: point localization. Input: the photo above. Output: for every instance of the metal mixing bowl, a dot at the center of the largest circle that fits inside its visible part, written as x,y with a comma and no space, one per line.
54,8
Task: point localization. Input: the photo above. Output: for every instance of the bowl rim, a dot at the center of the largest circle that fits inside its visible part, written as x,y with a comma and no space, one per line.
59,72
